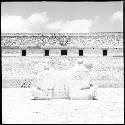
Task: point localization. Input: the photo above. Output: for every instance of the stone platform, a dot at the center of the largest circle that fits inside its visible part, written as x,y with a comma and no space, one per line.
18,108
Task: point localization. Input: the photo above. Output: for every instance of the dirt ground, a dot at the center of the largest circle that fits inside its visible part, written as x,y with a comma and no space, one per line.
18,108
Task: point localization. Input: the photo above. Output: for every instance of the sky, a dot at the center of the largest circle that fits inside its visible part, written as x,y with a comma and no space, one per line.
61,17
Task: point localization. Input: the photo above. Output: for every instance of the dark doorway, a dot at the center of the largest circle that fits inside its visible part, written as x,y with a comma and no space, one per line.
63,52
104,52
46,52
80,52
23,52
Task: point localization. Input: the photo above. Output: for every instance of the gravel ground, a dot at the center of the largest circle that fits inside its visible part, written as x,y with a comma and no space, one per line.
18,108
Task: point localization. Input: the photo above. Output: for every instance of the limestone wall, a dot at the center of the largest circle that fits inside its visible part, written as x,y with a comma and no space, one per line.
34,52
93,52
18,71
11,52
74,52
21,71
115,52
54,52
84,40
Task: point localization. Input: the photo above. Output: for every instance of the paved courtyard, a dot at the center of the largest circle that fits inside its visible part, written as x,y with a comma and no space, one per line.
17,107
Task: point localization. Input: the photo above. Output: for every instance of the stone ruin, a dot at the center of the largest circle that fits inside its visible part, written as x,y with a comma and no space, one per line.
71,84
24,54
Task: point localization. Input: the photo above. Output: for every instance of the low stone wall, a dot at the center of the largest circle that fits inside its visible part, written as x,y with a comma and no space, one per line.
21,71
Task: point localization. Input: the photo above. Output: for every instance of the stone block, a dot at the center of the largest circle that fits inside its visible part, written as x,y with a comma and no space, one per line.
84,94
41,94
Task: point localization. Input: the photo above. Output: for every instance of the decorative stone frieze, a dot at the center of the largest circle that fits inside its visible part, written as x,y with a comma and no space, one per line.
59,40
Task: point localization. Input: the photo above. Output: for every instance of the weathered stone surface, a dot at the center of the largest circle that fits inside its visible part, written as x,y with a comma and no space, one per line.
41,94
84,94
106,72
85,40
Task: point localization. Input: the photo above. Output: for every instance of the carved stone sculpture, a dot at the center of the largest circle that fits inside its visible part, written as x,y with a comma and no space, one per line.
73,83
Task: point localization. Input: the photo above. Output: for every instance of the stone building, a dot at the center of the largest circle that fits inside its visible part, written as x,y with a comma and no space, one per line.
104,50
60,44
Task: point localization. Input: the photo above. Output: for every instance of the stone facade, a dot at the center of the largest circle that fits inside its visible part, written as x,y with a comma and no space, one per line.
24,68
85,40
